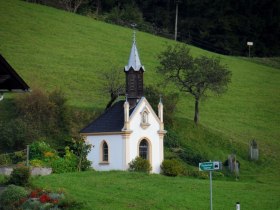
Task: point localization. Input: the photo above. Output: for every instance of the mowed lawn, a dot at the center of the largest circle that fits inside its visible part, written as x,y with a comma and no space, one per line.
53,49
125,190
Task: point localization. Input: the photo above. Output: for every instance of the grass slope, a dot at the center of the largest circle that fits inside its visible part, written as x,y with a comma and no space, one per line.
100,190
51,49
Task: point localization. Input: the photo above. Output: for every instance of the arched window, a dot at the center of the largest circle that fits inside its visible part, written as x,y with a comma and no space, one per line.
144,149
105,152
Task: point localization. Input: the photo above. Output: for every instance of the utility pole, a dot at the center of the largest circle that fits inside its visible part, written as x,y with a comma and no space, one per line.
176,19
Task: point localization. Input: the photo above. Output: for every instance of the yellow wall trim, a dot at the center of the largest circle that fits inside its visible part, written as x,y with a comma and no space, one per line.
106,133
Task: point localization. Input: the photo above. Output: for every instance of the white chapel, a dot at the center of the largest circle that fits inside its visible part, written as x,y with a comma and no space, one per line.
129,128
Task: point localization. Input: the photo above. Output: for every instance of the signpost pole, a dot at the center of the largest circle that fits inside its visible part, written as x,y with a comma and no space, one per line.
210,177
210,166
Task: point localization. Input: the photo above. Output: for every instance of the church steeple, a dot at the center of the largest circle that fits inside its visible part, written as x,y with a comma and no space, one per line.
134,75
134,60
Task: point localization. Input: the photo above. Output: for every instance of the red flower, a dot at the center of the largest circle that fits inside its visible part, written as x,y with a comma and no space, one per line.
55,201
35,193
44,198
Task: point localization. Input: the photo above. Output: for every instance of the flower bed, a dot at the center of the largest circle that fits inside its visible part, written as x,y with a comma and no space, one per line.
16,197
41,199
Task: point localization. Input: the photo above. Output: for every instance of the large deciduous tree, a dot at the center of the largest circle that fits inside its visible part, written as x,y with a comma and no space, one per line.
73,5
193,75
112,84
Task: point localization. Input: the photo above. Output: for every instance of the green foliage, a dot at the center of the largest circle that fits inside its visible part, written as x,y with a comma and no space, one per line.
39,107
36,108
3,179
81,150
20,176
15,134
11,196
126,15
5,159
172,167
37,163
39,150
13,158
191,156
112,84
172,139
169,101
19,156
66,164
42,154
193,75
140,165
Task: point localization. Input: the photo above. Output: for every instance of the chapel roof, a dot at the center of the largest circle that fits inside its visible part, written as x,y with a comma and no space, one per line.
112,120
134,59
9,79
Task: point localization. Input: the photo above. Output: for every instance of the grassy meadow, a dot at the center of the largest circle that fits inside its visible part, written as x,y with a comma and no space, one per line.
53,49
100,190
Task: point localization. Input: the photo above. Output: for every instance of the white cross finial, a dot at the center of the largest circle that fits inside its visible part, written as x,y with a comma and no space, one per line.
134,36
134,31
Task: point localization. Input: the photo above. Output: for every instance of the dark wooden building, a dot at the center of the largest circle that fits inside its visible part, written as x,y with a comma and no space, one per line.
9,79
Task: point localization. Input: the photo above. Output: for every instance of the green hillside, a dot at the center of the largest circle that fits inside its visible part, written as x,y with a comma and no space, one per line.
50,48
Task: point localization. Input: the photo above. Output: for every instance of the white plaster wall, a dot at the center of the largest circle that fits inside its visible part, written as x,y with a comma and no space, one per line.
150,133
116,151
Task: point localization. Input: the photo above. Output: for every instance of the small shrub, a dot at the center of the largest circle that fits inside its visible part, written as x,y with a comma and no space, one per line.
12,196
172,167
41,150
81,150
66,164
171,140
37,163
191,156
140,165
19,156
20,176
5,159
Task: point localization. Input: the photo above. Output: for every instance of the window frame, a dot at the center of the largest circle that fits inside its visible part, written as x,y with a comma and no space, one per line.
104,152
146,147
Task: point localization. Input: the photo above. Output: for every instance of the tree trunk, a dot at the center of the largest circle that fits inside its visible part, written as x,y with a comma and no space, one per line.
113,98
98,7
196,111
76,5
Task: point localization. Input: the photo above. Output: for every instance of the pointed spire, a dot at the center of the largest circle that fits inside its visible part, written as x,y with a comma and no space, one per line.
134,60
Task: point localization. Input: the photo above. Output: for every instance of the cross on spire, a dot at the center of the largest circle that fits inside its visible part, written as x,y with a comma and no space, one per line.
134,36
134,59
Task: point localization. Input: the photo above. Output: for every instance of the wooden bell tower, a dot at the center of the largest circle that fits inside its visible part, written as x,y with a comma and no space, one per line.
134,76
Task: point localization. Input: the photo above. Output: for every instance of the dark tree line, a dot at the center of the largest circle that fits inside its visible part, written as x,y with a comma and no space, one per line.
216,25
